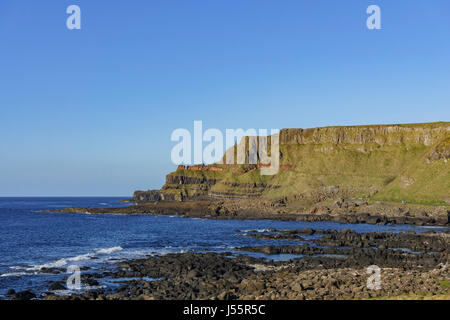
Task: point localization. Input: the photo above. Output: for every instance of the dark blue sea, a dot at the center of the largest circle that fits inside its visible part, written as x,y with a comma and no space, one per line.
31,240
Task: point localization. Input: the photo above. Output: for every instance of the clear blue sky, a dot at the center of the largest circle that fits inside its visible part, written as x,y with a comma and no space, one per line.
90,111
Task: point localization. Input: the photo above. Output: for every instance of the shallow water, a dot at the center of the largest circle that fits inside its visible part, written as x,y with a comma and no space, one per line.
31,240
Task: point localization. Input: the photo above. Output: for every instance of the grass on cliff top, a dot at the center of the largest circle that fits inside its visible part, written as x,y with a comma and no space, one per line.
397,172
405,125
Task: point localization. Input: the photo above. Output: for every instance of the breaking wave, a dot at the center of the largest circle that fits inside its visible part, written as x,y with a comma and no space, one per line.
65,261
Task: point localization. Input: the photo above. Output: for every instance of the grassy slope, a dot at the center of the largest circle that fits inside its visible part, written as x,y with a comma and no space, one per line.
397,171
431,184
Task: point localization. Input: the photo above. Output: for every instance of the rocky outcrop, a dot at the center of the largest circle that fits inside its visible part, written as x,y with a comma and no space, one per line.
441,151
333,266
426,134
185,180
155,195
199,168
397,163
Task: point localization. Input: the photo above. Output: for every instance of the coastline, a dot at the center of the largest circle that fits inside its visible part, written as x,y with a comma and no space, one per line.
322,264
353,212
419,270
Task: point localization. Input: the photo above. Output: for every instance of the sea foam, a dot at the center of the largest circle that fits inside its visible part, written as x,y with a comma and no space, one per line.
65,261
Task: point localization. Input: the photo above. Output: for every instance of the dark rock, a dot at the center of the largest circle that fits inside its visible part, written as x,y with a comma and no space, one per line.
57,286
10,292
24,295
193,274
50,270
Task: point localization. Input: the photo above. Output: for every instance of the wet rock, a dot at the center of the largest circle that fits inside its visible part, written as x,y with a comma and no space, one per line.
24,295
50,270
10,292
318,274
57,286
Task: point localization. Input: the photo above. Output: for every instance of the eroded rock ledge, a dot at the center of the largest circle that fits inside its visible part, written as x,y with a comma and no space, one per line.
378,162
349,212
316,275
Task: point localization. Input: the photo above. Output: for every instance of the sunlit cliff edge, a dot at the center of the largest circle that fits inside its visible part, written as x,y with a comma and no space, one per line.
404,163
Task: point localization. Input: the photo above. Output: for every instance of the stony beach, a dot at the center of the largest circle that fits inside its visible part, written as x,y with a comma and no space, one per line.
340,210
333,265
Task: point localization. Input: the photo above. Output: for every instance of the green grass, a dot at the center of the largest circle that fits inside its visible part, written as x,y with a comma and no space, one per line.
394,162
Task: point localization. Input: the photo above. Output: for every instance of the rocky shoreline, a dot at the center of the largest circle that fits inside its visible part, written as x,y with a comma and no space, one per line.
325,264
342,211
333,265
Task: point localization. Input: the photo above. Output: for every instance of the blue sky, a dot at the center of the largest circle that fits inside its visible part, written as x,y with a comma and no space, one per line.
91,111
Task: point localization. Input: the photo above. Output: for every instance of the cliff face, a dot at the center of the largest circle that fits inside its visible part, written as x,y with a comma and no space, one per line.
380,162
425,134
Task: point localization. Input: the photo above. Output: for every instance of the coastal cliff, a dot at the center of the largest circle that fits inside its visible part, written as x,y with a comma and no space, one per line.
393,163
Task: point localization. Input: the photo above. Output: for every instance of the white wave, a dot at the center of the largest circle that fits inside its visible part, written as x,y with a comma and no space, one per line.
108,250
255,230
56,264
80,257
64,261
17,267
14,274
112,254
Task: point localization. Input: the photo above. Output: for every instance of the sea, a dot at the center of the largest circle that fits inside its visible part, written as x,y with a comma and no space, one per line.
31,239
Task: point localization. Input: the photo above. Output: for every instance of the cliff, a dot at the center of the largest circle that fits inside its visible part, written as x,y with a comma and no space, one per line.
392,163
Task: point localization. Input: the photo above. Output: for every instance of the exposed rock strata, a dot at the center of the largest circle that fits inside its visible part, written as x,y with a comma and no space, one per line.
389,163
